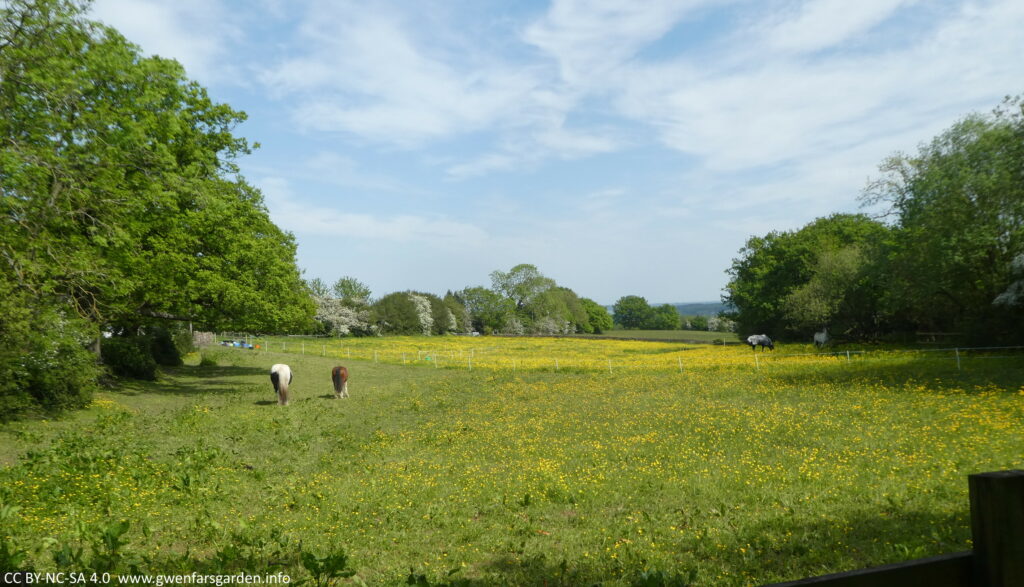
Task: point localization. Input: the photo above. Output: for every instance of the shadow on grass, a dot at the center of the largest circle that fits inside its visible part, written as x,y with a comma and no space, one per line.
937,374
190,380
786,549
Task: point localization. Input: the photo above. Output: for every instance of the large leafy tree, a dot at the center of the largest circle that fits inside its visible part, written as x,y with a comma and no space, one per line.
598,318
120,204
352,290
488,311
522,284
663,317
785,282
411,312
958,206
632,312
121,200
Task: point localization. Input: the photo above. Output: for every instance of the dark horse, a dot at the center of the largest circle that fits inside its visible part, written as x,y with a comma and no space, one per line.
339,375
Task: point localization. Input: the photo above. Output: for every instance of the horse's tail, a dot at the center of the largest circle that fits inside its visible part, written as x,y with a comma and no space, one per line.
282,391
339,375
281,376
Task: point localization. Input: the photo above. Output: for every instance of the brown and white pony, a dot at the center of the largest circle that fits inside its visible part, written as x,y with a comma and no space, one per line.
281,377
339,375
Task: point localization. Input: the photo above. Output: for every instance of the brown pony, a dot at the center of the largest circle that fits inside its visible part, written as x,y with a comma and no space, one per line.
339,375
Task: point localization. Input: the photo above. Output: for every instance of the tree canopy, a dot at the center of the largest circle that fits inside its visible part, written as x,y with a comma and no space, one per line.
958,207
945,260
632,312
121,204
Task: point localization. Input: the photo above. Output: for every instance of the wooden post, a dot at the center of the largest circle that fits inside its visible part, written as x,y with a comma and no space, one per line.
997,527
958,359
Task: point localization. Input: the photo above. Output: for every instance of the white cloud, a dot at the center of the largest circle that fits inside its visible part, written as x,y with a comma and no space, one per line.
341,170
782,109
821,24
304,218
365,72
591,38
197,33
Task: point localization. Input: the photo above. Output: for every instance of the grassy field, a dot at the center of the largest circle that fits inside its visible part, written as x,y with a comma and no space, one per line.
513,472
685,335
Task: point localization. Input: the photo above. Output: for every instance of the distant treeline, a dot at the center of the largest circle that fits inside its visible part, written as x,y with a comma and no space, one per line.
520,301
943,254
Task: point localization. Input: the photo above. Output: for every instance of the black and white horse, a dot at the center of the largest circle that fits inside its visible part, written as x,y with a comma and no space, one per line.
760,339
281,377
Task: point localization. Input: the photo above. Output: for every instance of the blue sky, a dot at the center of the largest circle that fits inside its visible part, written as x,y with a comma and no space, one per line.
622,147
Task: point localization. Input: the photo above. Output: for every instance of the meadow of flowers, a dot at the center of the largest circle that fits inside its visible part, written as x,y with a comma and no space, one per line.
478,461
608,356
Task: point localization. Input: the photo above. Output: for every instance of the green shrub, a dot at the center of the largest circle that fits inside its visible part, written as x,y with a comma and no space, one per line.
183,340
45,366
163,347
130,356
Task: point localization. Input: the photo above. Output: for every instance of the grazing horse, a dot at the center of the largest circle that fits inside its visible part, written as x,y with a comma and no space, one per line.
760,339
281,377
821,338
339,375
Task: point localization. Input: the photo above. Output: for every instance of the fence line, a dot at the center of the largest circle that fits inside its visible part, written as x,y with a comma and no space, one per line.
497,358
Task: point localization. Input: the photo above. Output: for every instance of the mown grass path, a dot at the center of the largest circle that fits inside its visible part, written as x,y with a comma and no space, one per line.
711,477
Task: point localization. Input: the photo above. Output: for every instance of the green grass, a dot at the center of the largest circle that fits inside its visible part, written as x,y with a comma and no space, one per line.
714,477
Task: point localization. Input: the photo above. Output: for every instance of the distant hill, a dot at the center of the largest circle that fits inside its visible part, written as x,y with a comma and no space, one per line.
691,308
701,308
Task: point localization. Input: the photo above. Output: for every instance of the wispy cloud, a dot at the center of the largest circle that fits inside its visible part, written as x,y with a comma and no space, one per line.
307,218
198,33
822,24
784,108
366,72
590,39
